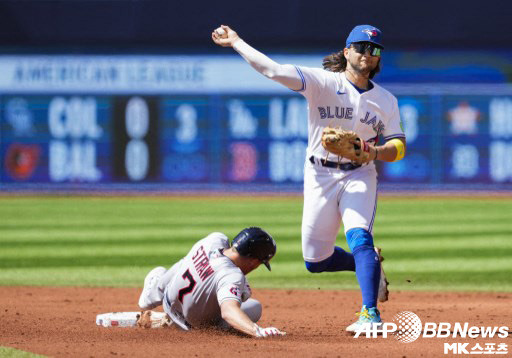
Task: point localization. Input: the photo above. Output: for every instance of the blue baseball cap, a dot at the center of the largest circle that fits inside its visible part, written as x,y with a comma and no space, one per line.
365,33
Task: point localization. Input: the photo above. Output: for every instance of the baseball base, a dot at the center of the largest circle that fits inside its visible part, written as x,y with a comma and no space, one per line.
129,319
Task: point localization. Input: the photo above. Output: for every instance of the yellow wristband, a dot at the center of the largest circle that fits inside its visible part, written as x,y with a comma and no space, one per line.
400,149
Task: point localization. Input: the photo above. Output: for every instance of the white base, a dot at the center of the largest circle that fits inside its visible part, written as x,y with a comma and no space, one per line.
126,319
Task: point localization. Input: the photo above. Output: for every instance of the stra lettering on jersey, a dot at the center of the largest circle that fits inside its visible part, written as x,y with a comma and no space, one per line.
202,264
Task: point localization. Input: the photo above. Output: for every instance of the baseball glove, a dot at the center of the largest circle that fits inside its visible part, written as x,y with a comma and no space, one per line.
346,144
150,319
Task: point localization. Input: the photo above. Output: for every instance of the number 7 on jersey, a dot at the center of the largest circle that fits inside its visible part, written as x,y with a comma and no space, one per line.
186,290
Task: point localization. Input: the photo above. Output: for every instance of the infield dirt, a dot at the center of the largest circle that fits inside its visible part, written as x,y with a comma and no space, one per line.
60,322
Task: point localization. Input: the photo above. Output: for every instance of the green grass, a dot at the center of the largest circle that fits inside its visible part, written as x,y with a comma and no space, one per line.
437,243
6,352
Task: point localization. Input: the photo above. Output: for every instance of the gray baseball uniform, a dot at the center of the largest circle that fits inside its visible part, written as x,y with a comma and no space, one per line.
201,281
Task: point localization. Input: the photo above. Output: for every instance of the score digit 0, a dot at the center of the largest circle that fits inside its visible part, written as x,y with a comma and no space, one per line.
137,126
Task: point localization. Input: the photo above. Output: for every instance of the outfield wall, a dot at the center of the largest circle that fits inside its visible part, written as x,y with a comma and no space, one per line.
212,122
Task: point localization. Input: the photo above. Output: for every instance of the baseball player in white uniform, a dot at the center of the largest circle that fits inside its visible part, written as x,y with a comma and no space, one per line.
339,191
208,286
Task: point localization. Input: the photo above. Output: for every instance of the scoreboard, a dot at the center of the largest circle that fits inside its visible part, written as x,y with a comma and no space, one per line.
228,139
183,139
455,139
209,128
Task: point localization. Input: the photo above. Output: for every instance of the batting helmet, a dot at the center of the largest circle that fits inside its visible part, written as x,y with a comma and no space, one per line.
257,243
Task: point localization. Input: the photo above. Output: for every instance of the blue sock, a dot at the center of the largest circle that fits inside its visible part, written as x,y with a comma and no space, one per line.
368,273
367,262
340,260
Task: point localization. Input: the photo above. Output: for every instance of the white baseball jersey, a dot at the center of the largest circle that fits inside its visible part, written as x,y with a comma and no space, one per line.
333,100
204,279
332,196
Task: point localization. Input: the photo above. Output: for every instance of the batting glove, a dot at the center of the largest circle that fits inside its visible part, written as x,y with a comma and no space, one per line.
268,332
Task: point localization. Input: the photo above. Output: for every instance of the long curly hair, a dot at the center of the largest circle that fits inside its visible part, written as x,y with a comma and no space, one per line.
336,62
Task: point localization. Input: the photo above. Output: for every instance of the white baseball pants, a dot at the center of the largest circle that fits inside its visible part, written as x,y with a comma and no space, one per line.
330,197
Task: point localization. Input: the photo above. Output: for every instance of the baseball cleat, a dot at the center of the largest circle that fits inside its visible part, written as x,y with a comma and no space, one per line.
383,293
366,316
151,296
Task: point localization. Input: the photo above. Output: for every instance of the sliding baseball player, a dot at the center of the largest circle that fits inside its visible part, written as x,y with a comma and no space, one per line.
209,288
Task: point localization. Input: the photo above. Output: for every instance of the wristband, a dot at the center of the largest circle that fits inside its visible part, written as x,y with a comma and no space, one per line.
258,330
400,149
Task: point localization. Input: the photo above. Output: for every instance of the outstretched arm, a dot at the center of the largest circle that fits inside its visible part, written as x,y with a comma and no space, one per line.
287,75
236,318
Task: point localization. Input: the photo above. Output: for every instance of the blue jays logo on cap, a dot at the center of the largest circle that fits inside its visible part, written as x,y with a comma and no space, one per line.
370,33
365,33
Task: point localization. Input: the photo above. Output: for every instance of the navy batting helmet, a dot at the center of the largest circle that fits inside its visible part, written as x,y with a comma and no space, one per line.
257,243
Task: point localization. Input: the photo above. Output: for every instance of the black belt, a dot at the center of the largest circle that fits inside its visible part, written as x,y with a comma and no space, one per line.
336,165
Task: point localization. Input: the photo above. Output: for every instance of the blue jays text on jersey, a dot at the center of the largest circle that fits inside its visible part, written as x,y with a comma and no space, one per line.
347,113
337,112
376,124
